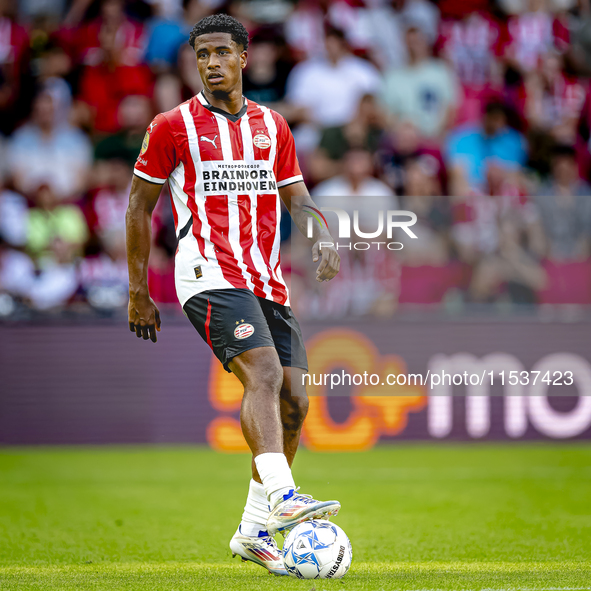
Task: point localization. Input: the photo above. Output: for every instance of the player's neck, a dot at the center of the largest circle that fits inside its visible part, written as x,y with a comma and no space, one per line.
231,102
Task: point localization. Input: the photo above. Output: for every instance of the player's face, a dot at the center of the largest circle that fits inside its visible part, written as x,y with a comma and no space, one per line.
220,61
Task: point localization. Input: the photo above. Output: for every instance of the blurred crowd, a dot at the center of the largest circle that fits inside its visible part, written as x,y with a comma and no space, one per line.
474,114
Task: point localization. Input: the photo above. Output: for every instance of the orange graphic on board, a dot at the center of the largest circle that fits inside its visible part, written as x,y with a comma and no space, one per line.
376,410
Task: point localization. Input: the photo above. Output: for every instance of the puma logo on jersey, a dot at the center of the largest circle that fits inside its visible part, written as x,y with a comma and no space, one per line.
152,125
204,138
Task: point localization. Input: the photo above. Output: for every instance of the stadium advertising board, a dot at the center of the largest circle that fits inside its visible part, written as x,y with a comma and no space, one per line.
446,383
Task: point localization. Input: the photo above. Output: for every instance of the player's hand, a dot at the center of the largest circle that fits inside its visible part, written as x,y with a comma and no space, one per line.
144,317
331,261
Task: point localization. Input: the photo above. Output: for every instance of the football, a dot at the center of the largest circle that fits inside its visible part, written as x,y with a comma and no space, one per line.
317,549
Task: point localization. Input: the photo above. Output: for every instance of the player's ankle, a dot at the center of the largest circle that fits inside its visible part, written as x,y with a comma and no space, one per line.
253,530
276,476
280,496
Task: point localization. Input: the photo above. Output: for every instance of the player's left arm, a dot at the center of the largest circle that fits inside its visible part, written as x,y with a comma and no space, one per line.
301,208
295,195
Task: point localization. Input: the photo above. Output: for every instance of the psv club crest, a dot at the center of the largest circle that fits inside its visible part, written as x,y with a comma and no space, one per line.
146,141
244,330
261,141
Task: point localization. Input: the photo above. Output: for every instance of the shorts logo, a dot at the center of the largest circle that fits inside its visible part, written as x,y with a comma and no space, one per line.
243,331
261,141
145,143
198,272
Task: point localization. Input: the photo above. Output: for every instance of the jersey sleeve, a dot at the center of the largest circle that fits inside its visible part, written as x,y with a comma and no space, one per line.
287,167
159,155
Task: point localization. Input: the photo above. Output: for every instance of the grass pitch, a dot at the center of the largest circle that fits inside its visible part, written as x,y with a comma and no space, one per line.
428,517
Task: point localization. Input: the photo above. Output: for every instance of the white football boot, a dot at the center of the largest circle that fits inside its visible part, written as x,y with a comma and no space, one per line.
296,508
262,550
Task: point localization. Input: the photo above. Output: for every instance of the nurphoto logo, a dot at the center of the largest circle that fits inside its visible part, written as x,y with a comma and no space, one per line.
394,218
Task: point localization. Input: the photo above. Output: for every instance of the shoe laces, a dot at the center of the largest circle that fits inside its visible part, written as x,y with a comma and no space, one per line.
296,494
301,495
270,541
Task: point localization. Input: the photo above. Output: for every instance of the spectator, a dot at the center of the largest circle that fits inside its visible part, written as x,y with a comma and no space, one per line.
471,46
113,71
54,66
166,34
554,100
487,237
364,131
357,190
474,230
402,144
459,8
171,89
532,35
564,205
368,281
422,196
305,27
102,274
579,26
56,280
54,235
472,148
17,271
13,217
14,43
43,152
17,277
424,92
50,220
108,203
4,166
265,78
161,272
583,141
126,37
38,10
134,116
384,24
511,273
329,89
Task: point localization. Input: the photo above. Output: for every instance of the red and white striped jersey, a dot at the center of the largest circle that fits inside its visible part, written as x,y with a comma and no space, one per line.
224,173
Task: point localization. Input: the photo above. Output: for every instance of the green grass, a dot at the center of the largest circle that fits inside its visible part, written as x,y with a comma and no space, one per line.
511,517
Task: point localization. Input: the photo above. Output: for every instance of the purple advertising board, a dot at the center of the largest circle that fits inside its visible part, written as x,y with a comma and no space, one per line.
435,380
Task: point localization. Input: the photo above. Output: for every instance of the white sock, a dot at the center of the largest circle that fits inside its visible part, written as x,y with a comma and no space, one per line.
256,510
276,476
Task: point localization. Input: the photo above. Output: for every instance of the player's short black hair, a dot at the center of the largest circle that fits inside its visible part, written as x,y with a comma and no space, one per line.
220,23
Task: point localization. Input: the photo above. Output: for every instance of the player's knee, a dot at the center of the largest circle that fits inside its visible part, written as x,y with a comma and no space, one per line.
295,405
269,374
259,369
301,404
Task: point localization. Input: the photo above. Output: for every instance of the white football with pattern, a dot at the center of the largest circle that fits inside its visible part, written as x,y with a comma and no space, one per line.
317,549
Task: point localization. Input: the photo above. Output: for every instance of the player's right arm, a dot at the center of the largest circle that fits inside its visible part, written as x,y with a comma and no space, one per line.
144,317
154,165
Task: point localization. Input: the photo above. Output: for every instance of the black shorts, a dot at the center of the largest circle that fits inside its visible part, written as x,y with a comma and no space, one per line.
232,321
